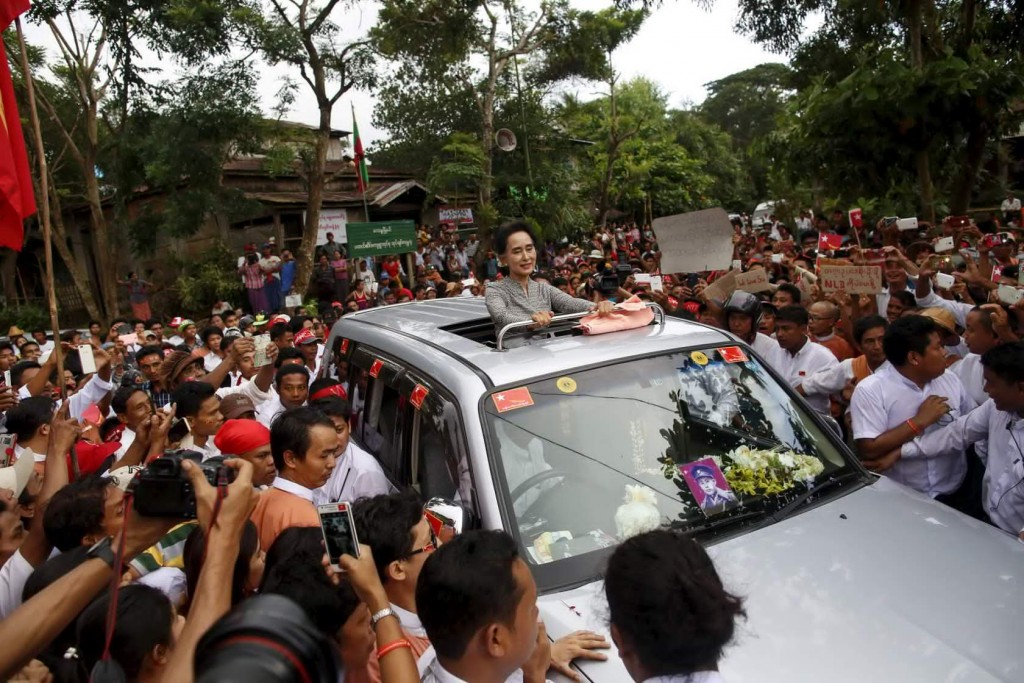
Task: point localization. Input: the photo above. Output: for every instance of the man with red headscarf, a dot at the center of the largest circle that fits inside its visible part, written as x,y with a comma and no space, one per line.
249,440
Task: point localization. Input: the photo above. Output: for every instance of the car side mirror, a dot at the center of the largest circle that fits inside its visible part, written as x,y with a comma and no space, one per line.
833,425
447,519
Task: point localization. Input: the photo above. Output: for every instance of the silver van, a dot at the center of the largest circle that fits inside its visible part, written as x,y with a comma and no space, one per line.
572,442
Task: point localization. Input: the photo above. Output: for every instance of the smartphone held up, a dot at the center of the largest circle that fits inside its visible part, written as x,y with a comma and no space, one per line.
339,531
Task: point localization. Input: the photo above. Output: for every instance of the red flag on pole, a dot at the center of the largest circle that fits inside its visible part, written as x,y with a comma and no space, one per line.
362,176
17,201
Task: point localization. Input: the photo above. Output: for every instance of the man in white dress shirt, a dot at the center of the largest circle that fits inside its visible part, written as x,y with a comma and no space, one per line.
801,357
357,474
996,428
477,601
905,398
292,385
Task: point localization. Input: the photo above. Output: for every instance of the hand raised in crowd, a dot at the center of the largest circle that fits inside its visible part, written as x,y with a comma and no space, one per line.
577,645
241,347
361,573
64,430
33,672
931,411
8,398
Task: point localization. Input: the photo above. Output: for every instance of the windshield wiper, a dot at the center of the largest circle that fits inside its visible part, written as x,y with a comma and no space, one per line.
694,527
790,507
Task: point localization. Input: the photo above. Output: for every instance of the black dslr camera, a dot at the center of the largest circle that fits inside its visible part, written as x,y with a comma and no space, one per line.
163,489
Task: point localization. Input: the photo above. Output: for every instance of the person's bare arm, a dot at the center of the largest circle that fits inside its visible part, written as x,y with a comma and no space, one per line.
930,412
230,362
265,377
211,601
37,384
136,453
63,433
31,627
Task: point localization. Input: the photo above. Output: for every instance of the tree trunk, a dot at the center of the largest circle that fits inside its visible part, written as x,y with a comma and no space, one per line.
77,271
915,30
960,197
106,271
314,199
487,144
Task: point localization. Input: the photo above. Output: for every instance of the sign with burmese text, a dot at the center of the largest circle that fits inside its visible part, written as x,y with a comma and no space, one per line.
380,238
754,281
851,279
694,242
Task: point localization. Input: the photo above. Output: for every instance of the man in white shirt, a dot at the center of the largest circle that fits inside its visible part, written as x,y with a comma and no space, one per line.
496,631
1011,209
45,345
132,406
292,385
199,406
742,317
980,336
908,396
868,333
997,428
800,357
357,474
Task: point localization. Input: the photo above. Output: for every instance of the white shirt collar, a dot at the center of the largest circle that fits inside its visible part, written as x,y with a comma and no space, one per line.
291,487
409,621
442,675
695,677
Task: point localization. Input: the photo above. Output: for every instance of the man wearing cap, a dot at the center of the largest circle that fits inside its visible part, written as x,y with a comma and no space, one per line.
180,367
237,407
249,440
271,266
309,344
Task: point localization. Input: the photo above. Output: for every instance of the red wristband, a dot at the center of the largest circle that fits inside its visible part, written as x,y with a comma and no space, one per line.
914,428
391,647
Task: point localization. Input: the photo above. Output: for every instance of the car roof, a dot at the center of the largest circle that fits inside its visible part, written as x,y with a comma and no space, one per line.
443,324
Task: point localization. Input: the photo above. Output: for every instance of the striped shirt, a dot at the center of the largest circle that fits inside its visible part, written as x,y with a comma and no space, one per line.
507,302
168,552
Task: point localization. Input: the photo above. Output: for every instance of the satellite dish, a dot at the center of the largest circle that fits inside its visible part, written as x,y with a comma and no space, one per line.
505,139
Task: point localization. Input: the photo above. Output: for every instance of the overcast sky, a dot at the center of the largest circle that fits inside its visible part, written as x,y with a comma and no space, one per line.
680,47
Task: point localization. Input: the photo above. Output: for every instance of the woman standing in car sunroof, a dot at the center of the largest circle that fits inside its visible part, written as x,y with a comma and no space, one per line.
518,297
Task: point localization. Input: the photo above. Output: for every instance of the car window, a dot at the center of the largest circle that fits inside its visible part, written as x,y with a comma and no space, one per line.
691,439
439,466
377,409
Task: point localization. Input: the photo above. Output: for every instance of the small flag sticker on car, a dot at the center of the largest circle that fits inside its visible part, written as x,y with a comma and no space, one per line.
418,395
375,368
733,354
512,399
344,346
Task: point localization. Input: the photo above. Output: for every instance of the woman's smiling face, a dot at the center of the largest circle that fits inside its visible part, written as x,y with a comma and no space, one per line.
520,254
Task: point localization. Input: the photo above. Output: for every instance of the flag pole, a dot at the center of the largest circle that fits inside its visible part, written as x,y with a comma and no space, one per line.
44,209
358,159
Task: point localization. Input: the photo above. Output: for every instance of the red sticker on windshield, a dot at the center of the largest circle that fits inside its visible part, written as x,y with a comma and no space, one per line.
418,395
733,354
344,346
512,399
375,368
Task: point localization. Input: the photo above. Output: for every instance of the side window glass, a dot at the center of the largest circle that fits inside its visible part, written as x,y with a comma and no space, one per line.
377,409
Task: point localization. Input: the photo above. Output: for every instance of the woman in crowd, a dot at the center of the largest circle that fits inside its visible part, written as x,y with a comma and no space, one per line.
340,265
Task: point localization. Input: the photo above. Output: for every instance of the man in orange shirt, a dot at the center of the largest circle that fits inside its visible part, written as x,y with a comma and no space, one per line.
823,316
304,447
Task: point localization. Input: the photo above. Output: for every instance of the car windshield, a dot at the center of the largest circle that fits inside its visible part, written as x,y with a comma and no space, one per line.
705,440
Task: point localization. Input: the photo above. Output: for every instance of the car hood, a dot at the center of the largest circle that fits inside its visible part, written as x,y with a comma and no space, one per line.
883,584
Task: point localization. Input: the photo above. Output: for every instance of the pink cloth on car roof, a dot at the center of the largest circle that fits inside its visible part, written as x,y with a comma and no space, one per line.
628,315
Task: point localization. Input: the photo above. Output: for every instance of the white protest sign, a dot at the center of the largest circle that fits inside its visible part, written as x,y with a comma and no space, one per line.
851,279
447,214
754,281
334,221
694,242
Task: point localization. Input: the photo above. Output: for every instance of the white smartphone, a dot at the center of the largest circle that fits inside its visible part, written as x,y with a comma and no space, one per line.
1009,294
261,342
777,258
944,244
339,531
87,359
906,223
944,281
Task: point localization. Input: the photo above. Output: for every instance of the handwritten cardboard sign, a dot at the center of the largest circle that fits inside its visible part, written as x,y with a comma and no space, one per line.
754,281
851,279
721,289
694,242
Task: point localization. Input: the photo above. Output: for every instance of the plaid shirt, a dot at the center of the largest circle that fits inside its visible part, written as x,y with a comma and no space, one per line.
160,397
253,275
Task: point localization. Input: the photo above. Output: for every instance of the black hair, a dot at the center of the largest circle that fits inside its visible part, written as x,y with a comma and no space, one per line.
792,290
385,524
75,511
290,369
144,620
151,321
861,327
507,230
294,545
227,341
1005,361
333,406
195,550
25,419
68,335
911,333
149,350
792,314
290,432
666,599
472,576
298,322
7,346
278,330
287,354
95,322
30,342
904,297
190,397
322,383
209,330
108,426
119,402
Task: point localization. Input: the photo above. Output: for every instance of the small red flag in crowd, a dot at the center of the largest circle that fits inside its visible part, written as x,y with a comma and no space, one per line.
17,201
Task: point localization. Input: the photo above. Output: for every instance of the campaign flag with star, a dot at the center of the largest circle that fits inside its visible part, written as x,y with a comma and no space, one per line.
362,176
17,201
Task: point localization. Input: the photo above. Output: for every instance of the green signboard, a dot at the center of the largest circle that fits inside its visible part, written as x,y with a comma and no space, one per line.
379,238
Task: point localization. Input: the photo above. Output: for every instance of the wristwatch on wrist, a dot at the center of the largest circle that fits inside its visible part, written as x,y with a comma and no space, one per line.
103,550
377,616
